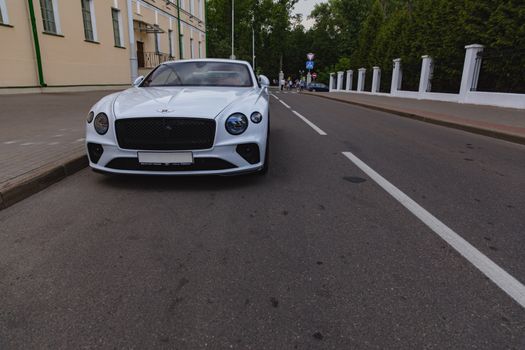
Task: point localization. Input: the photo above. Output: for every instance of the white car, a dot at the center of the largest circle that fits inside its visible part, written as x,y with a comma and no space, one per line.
205,116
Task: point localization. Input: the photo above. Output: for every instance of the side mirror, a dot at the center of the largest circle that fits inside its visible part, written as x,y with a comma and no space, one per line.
138,80
264,81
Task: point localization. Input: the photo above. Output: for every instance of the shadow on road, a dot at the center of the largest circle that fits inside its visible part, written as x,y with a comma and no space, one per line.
181,183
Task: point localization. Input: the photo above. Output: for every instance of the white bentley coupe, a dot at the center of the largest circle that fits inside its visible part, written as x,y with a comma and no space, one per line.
205,116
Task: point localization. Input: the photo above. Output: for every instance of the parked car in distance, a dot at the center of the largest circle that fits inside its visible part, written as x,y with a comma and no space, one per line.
191,117
318,87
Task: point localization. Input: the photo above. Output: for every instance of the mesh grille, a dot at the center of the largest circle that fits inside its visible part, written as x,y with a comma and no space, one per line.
165,133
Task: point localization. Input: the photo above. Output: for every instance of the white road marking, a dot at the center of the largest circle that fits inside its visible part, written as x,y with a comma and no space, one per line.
59,135
10,142
53,143
514,288
80,140
28,143
312,125
284,104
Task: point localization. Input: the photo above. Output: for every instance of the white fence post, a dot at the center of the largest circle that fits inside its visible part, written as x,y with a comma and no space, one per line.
376,79
469,79
340,81
425,80
361,79
397,76
349,79
331,84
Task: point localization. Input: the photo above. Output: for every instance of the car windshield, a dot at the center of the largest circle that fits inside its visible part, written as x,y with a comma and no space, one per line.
200,73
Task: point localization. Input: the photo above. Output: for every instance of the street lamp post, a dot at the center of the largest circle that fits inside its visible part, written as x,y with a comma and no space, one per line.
233,29
253,44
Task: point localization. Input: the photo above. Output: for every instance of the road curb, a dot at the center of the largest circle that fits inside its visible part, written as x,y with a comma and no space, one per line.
469,128
41,179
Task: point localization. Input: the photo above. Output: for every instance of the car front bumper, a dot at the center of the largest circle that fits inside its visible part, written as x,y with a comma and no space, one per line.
220,160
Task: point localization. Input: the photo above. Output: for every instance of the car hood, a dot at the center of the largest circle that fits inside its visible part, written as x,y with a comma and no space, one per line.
201,102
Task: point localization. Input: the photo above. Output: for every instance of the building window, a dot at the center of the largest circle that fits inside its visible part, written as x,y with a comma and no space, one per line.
87,17
192,10
48,16
200,49
115,15
199,8
170,42
157,42
191,47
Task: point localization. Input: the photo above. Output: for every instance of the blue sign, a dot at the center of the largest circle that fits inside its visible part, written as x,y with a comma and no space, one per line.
310,65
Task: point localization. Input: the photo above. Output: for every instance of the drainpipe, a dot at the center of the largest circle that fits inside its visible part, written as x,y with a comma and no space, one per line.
133,62
178,24
37,45
205,26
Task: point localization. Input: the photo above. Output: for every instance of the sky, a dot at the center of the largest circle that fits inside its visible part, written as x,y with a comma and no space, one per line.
305,7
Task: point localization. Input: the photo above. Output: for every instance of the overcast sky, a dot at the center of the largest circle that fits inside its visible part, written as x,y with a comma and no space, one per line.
305,7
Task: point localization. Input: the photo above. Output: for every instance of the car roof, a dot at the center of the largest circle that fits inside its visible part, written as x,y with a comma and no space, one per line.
223,60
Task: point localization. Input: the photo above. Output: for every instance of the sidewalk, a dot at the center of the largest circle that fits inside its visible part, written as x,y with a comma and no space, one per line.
41,140
503,123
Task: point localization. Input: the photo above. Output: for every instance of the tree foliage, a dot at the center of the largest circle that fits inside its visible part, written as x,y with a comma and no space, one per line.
350,34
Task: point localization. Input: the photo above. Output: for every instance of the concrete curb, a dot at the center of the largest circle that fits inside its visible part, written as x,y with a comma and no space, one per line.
469,128
40,179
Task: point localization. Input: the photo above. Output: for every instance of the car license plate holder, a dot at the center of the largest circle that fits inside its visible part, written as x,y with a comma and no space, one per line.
177,158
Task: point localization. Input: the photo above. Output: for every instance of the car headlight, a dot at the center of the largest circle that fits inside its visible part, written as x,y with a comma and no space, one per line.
236,124
256,117
101,123
90,117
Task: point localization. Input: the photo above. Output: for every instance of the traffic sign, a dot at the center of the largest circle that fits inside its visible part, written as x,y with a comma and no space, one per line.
310,65
310,56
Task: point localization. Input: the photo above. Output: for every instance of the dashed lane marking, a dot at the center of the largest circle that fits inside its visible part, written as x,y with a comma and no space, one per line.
510,285
304,119
284,104
312,125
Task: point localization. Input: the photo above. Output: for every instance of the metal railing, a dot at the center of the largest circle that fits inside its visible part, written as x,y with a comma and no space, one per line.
501,70
153,59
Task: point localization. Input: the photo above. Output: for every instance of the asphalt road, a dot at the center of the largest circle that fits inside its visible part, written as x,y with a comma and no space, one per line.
315,255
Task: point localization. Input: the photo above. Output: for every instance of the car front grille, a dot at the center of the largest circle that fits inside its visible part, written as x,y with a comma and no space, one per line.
165,133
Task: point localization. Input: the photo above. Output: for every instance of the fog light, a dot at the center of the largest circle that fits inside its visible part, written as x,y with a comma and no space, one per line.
95,152
250,152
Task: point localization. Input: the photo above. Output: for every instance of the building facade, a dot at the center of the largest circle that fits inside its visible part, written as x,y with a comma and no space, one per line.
94,43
